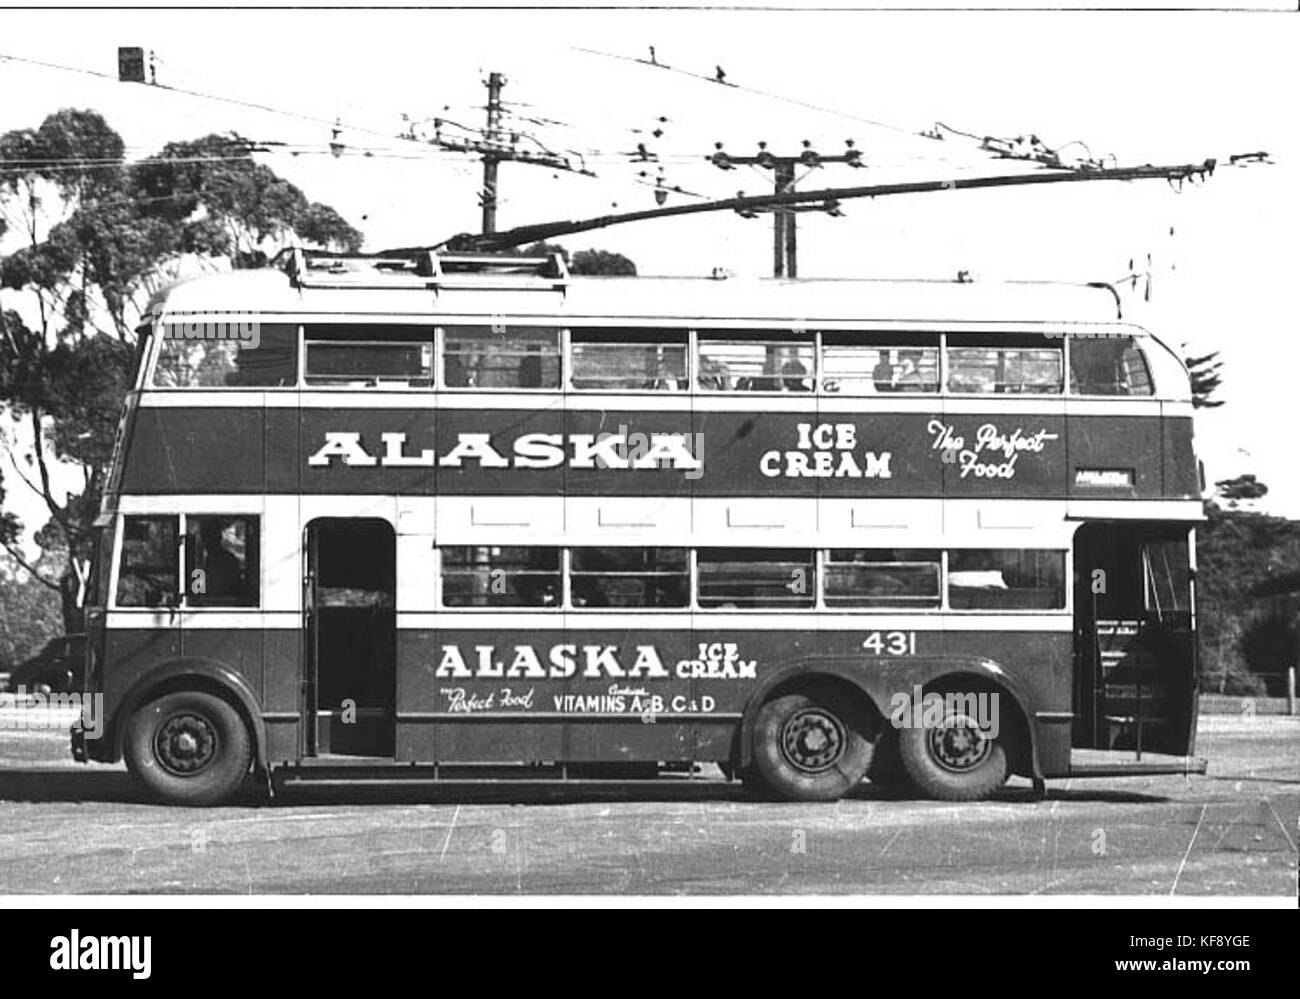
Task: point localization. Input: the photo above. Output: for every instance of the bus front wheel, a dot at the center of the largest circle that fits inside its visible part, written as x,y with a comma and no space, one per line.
189,748
955,760
808,749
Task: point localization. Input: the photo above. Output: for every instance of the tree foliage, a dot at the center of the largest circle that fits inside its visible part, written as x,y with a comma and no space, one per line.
587,262
92,237
1206,379
1248,572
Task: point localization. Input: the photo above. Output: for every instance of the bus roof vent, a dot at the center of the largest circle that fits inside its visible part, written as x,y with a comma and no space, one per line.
423,269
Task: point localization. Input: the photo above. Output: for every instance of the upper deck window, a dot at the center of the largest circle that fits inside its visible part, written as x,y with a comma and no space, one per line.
868,363
221,355
759,362
1108,366
501,357
1006,363
365,355
629,360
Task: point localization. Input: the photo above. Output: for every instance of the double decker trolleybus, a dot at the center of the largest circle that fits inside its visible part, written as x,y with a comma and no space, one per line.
460,518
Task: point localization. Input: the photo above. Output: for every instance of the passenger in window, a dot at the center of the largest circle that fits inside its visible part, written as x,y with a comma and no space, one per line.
908,376
223,574
587,592
882,375
715,376
530,368
455,374
794,376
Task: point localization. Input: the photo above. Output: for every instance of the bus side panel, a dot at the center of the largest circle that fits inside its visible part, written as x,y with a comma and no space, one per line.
1182,476
1123,443
418,655
482,472
239,649
281,676
738,446
284,457
199,450
639,430
642,698
1018,456
347,463
130,653
470,727
891,451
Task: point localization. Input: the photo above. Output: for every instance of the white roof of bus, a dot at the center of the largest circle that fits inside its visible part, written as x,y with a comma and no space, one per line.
806,300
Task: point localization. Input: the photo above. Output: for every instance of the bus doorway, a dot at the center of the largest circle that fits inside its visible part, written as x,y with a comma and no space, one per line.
349,682
1135,671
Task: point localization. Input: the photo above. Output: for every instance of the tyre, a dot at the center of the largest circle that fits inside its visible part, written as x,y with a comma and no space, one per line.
953,761
811,749
188,748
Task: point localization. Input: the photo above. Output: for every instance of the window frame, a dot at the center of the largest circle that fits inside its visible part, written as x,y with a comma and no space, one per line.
687,337
149,368
561,570
782,337
948,343
387,385
440,356
182,591
820,562
693,336
1136,344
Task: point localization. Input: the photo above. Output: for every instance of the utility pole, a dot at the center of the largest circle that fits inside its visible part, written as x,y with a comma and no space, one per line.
785,237
490,160
498,145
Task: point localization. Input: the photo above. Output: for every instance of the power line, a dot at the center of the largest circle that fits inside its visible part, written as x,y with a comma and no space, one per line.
162,87
809,105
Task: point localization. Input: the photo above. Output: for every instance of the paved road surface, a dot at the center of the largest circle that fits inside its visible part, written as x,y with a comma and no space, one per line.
66,828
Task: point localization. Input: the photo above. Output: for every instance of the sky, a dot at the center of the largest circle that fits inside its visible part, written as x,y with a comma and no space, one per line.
1143,87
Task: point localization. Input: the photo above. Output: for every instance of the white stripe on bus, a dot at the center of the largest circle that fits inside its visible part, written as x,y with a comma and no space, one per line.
552,400
641,624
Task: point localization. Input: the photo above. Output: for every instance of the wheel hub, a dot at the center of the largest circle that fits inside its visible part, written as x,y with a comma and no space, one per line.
812,741
185,744
959,744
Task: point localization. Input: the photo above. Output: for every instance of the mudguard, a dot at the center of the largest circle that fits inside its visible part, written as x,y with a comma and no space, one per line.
210,674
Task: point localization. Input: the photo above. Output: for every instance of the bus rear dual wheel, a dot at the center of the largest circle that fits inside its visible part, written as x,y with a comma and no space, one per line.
188,748
953,761
808,748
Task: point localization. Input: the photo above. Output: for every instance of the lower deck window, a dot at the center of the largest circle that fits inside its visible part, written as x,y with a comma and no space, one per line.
147,574
479,576
1006,579
743,579
189,560
630,577
882,578
220,561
